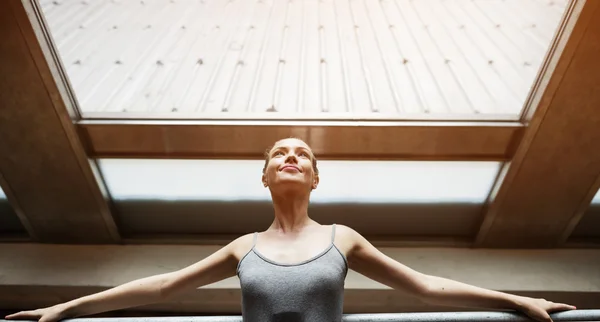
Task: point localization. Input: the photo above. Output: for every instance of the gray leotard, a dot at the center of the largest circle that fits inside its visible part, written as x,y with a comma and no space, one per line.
309,291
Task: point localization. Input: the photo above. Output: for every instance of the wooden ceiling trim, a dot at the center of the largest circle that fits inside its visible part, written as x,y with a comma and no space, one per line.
18,210
329,140
44,53
557,59
224,239
46,169
580,211
549,181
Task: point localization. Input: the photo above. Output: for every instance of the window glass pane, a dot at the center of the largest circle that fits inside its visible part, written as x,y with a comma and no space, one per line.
340,181
596,200
221,58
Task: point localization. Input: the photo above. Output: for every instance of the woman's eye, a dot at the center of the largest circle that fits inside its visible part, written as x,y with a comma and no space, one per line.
304,154
278,154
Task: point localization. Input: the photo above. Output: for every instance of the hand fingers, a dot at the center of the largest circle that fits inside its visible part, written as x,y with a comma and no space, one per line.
24,315
556,307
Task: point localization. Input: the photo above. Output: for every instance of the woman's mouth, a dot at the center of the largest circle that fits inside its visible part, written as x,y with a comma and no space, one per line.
290,168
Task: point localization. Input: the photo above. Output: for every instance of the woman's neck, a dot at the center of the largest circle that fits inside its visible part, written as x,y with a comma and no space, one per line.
291,213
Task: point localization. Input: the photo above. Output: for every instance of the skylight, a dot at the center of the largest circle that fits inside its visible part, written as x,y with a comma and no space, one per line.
317,59
340,181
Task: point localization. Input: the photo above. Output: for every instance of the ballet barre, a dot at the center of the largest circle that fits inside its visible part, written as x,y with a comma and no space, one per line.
567,316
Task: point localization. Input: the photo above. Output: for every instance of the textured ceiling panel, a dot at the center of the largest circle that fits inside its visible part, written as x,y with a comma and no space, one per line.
391,58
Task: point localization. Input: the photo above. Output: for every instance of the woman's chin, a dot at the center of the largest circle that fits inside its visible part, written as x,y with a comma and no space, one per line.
290,186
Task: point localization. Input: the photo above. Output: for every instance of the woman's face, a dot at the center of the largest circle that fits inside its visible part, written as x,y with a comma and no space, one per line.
290,166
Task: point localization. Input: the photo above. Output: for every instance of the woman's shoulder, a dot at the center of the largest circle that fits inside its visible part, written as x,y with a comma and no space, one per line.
242,245
345,232
346,238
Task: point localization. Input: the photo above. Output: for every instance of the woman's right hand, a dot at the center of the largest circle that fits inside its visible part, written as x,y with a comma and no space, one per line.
48,314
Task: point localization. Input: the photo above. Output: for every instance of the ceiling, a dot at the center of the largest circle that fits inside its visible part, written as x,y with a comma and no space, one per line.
109,138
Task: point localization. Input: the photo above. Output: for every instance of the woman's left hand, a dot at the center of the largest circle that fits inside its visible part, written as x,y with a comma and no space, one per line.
538,309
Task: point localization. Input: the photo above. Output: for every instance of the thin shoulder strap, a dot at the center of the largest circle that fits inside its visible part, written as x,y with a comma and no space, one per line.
332,233
254,241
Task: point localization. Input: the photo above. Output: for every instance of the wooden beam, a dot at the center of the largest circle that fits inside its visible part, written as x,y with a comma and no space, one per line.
222,240
15,208
219,222
553,175
587,232
39,275
45,171
329,139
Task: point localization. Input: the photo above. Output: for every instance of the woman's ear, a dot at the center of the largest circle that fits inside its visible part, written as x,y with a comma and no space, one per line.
315,182
264,180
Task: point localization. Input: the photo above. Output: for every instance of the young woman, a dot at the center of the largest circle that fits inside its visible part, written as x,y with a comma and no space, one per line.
295,270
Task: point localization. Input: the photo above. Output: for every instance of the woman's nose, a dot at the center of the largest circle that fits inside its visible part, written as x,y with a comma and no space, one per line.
291,156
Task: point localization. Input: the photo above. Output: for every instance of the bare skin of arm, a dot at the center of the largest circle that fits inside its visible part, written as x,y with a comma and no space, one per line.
362,256
367,260
158,288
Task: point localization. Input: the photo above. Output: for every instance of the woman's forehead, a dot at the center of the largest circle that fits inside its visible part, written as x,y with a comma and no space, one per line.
291,143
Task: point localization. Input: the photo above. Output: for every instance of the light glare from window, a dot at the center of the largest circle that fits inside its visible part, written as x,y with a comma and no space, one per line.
596,200
340,181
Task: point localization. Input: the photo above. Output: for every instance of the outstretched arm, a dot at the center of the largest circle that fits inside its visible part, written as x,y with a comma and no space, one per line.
364,258
153,289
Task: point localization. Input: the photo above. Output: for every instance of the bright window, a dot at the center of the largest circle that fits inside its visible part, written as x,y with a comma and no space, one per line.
596,200
341,181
